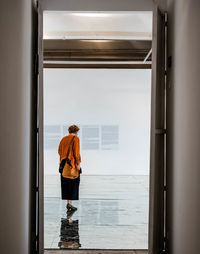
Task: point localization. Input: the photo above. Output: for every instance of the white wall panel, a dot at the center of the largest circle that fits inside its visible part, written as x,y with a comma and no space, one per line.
99,100
15,87
183,128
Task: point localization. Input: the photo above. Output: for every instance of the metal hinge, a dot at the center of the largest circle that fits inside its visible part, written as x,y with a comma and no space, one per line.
160,131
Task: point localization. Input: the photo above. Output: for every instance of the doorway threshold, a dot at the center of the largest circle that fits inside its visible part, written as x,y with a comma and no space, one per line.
94,251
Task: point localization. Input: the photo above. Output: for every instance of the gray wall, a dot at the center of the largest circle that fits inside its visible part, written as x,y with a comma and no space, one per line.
15,85
183,127
98,5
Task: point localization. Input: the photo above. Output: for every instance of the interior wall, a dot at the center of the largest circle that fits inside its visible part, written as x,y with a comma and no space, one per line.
96,5
112,109
15,85
183,128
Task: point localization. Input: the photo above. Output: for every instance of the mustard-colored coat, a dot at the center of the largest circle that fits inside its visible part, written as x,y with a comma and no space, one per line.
74,157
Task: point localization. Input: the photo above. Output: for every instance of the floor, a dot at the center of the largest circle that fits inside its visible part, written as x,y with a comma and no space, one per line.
112,214
96,252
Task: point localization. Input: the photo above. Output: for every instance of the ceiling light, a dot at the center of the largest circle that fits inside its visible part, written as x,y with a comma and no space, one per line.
93,40
91,14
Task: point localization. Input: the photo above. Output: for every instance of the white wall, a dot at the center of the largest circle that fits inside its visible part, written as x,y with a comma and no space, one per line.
183,127
102,97
15,113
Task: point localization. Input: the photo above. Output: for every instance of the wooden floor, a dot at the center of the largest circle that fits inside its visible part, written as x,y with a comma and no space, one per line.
95,252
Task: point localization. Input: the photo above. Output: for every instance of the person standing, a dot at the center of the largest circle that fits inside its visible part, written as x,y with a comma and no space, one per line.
70,145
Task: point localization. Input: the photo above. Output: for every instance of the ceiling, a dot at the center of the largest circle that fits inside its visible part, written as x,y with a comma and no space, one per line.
98,25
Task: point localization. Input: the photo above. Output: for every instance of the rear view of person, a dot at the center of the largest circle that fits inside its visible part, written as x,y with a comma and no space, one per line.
69,151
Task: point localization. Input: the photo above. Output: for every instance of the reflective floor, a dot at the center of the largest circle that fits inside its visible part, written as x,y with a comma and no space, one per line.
112,214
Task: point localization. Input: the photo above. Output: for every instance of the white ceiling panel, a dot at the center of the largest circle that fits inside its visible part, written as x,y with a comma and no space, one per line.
98,25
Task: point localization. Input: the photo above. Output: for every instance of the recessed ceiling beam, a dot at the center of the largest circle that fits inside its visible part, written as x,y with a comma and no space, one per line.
97,66
96,50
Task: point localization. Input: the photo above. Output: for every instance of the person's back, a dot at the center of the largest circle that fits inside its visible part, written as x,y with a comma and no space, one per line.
74,153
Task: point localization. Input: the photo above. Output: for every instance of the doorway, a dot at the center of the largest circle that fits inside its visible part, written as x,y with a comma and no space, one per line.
118,64
113,114
111,106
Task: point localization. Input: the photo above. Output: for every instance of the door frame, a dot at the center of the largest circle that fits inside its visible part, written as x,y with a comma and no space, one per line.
50,5
157,183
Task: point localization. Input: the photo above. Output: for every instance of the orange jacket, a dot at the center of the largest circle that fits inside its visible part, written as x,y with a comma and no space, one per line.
74,157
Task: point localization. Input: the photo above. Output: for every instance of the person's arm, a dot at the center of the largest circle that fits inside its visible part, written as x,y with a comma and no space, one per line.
77,152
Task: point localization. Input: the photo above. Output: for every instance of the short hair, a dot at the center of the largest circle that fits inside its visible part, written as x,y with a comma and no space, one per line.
73,129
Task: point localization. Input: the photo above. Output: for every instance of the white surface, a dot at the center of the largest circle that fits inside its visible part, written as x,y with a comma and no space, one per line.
102,97
98,25
15,128
183,127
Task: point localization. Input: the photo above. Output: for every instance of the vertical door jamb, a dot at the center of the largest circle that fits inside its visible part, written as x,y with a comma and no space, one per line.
158,137
40,132
34,134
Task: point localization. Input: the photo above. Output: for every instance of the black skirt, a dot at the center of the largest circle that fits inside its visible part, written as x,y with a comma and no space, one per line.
70,187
